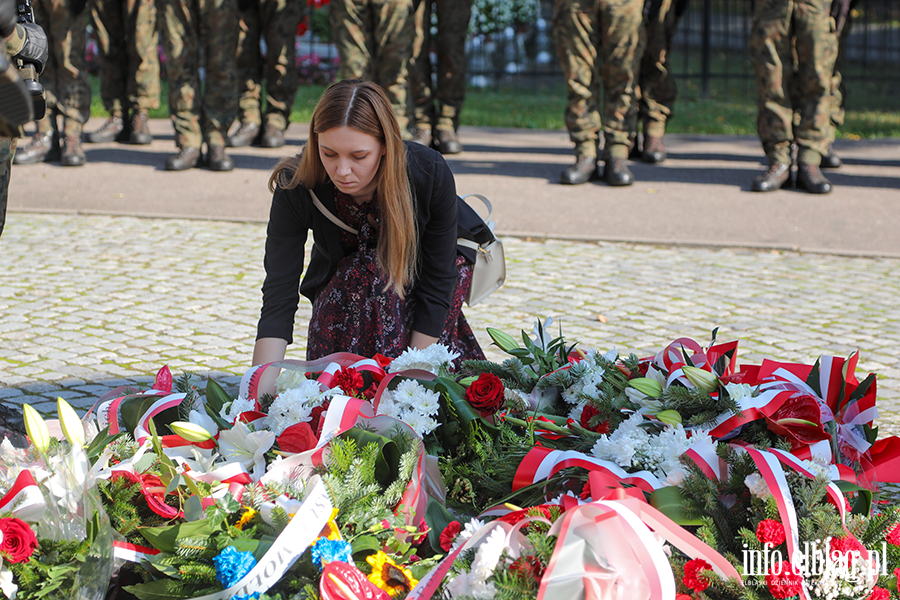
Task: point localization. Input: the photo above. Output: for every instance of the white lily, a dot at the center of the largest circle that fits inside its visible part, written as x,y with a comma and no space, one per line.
36,428
190,431
247,447
7,585
71,423
203,420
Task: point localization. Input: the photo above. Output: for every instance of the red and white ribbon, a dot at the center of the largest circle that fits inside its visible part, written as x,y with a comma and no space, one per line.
541,463
25,499
132,552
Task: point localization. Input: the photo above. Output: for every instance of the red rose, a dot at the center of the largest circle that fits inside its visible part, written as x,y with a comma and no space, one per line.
770,532
589,413
693,577
486,394
799,420
879,594
19,541
893,536
449,534
783,581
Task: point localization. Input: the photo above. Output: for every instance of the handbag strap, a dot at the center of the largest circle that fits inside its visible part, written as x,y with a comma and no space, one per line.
329,215
471,243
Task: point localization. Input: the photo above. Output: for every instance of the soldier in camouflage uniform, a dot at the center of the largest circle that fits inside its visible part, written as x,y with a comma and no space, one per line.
780,28
200,113
276,21
439,126
838,92
374,39
129,68
65,84
599,39
657,90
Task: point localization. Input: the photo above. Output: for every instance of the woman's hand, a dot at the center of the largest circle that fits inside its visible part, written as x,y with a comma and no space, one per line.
418,341
265,351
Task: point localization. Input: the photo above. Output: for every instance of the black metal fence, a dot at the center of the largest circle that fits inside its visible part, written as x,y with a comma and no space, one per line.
709,54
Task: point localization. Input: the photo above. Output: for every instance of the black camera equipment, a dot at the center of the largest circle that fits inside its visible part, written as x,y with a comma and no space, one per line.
27,70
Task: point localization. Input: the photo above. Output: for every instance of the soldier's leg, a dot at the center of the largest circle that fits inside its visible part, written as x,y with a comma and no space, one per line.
574,36
658,88
43,144
395,29
109,26
179,29
838,96
453,24
770,48
420,83
143,57
280,20
350,26
248,62
620,23
816,41
219,34
73,94
7,150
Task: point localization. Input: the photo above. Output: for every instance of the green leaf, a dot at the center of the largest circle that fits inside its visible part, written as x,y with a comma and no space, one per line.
193,509
216,397
863,503
99,443
161,589
256,547
365,544
505,341
437,517
387,462
669,501
216,417
163,538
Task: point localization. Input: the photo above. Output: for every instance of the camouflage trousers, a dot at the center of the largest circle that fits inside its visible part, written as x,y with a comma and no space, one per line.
656,92
275,21
129,54
374,39
65,75
779,28
7,151
191,29
598,40
450,47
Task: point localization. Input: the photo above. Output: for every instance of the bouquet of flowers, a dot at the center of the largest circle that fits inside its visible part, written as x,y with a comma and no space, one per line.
56,538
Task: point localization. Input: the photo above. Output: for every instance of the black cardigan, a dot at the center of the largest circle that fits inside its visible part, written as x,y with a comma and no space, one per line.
293,214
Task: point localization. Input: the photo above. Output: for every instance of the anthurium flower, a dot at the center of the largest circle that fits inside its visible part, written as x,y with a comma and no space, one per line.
247,447
799,420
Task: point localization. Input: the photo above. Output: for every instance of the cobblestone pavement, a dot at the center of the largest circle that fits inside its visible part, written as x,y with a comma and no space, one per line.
88,303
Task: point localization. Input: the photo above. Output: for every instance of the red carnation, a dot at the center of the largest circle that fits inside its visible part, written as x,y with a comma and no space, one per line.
693,577
349,380
486,393
770,532
783,581
19,541
589,413
879,594
799,420
449,534
528,567
844,546
893,536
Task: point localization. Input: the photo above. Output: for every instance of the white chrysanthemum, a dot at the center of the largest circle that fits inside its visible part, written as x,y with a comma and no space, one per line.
817,468
289,379
757,486
488,555
631,446
427,401
421,424
231,411
429,359
516,400
736,391
468,530
575,413
387,406
295,406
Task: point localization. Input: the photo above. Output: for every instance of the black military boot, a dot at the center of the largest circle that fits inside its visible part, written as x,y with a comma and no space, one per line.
272,137
776,177
186,158
831,160
36,150
582,171
617,172
108,132
654,151
244,136
447,142
217,160
423,136
810,178
72,152
140,130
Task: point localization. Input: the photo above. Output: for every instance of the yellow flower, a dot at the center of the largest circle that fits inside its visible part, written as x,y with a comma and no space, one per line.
331,531
246,517
389,576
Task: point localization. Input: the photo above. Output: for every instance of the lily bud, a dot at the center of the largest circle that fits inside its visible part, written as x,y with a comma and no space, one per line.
648,387
190,431
71,424
36,428
703,380
669,417
505,341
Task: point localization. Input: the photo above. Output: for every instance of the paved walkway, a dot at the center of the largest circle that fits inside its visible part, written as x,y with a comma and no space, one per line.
91,301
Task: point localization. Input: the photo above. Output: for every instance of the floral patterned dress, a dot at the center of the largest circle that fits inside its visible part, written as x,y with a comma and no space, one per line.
354,313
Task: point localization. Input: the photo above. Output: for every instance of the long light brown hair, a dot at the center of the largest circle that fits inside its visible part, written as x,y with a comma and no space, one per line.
364,106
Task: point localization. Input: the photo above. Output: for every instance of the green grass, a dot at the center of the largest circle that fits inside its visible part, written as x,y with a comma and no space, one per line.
730,109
